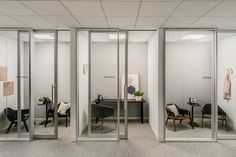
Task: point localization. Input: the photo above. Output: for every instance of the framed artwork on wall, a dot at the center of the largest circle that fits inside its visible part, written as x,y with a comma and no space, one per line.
133,85
8,88
3,73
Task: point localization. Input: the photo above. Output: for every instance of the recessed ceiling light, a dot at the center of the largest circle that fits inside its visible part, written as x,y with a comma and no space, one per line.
115,36
43,36
194,36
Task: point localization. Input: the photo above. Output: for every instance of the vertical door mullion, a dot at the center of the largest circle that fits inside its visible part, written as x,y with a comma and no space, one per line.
126,84
55,88
89,85
18,86
118,85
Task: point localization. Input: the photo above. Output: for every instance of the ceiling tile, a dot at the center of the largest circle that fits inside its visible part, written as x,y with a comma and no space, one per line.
226,8
227,23
63,21
121,8
92,21
34,21
157,8
84,8
208,22
121,22
179,21
47,7
6,21
14,8
150,22
194,8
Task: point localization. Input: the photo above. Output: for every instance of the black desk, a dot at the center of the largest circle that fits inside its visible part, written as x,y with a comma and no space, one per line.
192,123
130,101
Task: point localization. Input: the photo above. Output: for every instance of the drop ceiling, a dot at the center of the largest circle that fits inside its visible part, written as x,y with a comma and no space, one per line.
118,13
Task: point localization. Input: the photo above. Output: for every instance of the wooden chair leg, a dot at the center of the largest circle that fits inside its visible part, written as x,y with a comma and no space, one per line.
180,121
202,121
66,121
226,126
174,124
167,119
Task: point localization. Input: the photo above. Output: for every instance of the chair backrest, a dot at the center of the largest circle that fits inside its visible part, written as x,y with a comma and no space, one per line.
10,114
102,111
206,109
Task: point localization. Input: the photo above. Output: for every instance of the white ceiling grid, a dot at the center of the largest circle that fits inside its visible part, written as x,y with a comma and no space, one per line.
117,13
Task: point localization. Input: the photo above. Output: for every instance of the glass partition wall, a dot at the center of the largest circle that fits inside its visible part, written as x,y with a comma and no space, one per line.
190,59
226,88
15,85
101,72
44,74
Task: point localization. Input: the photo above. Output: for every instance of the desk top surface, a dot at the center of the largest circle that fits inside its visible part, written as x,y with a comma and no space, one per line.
122,100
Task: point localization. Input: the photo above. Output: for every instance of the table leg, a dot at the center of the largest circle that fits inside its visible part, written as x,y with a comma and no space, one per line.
141,112
192,123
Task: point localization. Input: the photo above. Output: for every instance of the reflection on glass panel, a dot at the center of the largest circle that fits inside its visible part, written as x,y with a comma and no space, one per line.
103,96
8,84
226,88
43,83
189,83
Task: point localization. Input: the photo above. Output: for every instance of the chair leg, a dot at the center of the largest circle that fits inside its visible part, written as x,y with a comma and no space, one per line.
25,124
202,121
226,125
66,121
180,121
114,121
222,122
174,124
167,119
101,125
9,127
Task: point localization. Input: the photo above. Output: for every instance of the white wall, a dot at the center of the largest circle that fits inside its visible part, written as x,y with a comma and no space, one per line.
186,65
44,73
226,59
153,82
104,63
83,79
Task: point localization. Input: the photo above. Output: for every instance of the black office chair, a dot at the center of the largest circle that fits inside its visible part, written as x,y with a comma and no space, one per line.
100,112
50,113
12,117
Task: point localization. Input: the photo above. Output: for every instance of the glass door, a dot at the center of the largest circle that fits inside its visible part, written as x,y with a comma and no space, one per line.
104,83
190,84
44,84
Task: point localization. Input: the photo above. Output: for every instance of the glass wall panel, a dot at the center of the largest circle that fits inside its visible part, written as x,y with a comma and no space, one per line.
44,83
8,81
14,84
226,87
104,85
189,83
